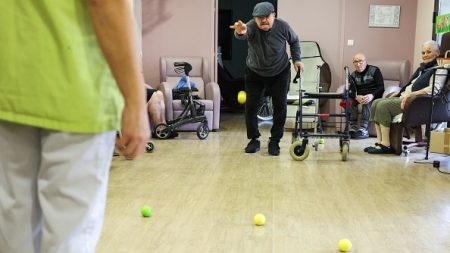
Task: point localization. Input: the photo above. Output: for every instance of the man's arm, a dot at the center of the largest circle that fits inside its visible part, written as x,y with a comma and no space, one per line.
294,47
115,29
378,78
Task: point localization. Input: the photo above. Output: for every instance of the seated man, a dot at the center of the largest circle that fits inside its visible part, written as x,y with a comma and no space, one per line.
366,85
156,109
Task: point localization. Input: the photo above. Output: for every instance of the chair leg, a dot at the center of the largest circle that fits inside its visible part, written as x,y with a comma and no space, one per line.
396,138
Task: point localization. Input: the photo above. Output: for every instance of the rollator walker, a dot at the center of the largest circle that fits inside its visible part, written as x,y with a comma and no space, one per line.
193,112
299,149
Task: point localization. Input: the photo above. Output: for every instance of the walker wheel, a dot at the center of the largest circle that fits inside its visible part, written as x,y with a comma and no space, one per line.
150,147
344,151
162,131
298,151
203,131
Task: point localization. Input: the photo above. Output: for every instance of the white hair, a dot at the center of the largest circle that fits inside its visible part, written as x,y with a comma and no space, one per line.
434,45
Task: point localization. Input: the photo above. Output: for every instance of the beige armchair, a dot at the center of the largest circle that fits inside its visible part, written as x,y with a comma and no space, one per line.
209,92
396,74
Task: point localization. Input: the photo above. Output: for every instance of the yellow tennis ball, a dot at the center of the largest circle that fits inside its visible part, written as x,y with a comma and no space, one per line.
146,211
344,245
321,141
242,97
259,219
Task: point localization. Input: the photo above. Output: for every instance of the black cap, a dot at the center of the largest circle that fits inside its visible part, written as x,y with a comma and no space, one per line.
263,9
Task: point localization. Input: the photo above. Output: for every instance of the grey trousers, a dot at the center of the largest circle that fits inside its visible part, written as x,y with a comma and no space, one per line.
385,109
52,189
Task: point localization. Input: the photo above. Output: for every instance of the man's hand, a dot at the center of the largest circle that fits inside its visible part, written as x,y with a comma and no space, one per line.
359,99
368,98
239,27
135,131
298,66
364,99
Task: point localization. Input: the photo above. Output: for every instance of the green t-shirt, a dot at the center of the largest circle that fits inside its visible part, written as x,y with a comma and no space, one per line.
53,73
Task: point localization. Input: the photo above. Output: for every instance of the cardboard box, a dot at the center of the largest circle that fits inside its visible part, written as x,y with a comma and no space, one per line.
440,141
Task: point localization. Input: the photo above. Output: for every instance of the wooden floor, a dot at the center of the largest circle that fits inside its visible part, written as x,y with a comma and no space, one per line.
205,193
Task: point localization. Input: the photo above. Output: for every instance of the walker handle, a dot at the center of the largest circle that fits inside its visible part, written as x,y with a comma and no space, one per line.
297,76
186,66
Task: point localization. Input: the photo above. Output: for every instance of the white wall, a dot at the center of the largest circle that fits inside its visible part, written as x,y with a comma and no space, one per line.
186,28
176,28
424,25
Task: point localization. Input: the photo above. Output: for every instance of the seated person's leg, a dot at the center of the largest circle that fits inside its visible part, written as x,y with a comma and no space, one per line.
157,110
385,111
362,131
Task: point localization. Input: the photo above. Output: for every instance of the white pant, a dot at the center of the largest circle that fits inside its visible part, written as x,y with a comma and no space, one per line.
52,189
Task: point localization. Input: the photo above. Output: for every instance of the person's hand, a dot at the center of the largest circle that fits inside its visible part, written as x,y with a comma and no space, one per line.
402,104
367,98
240,27
135,131
360,99
298,66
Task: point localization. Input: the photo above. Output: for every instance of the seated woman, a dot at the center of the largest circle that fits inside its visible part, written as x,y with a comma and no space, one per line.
385,109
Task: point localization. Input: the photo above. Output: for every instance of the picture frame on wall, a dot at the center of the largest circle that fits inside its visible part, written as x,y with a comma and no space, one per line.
387,16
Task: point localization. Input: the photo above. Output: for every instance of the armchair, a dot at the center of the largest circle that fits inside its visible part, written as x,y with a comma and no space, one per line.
417,113
209,92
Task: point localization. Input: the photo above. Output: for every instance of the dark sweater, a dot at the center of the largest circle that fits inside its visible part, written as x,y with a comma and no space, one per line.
267,54
370,81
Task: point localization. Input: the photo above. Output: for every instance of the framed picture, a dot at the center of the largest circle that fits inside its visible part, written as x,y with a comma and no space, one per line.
384,16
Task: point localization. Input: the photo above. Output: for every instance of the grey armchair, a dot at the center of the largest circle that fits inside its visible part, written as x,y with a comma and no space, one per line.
209,92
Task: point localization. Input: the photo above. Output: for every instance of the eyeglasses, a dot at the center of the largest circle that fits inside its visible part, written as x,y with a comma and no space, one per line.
358,61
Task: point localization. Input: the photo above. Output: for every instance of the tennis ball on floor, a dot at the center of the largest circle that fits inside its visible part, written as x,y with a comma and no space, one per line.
242,97
146,211
321,141
344,245
259,219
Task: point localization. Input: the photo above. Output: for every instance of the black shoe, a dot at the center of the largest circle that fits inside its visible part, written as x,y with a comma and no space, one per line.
366,149
253,146
381,149
361,133
274,148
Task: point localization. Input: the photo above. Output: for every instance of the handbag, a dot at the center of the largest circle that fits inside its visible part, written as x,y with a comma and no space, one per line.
444,61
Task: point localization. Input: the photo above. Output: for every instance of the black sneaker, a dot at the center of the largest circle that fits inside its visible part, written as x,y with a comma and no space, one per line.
253,146
362,133
274,148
